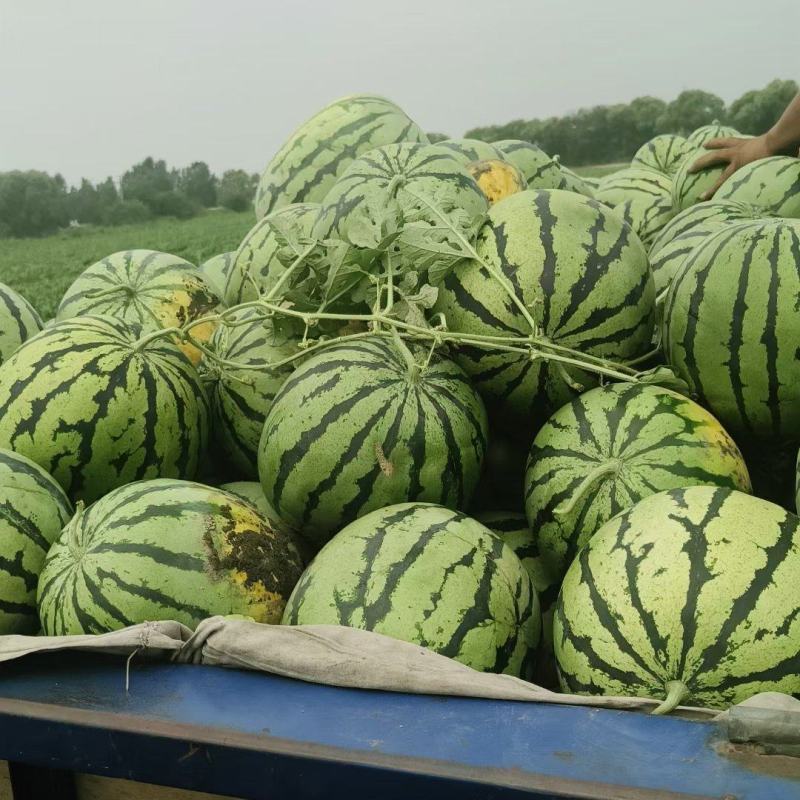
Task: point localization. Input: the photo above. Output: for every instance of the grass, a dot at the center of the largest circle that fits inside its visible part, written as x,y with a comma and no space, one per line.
42,269
598,170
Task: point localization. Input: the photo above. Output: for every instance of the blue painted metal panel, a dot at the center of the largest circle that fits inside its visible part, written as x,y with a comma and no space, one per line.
256,734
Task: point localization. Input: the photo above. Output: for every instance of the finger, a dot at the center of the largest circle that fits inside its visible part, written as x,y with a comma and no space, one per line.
723,141
710,160
727,172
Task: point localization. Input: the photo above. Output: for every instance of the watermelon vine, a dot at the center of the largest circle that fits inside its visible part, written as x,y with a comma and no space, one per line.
400,301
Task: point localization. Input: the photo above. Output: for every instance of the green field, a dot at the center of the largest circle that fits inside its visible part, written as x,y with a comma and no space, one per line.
42,269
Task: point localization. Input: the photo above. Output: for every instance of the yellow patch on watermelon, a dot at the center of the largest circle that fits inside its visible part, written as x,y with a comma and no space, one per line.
497,179
239,534
187,304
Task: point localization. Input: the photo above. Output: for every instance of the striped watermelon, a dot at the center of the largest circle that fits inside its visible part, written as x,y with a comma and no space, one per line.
583,274
604,452
216,270
497,179
690,596
703,134
770,184
354,208
572,182
321,149
687,230
250,491
256,266
731,327
165,550
689,188
33,510
356,428
662,153
539,169
147,288
427,575
18,321
96,409
642,197
467,150
512,527
240,397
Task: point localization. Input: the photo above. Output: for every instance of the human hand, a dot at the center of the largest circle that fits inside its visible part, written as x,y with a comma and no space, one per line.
735,153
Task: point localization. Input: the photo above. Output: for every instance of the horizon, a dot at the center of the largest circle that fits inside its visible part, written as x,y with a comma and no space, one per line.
176,81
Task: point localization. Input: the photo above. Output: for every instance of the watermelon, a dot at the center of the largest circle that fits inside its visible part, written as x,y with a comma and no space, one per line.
582,273
496,179
321,149
18,321
662,153
604,452
147,288
572,182
539,170
642,197
165,550
33,510
256,267
689,188
715,130
216,270
770,184
427,575
356,427
97,408
240,397
688,597
685,231
467,150
250,491
512,527
354,210
731,327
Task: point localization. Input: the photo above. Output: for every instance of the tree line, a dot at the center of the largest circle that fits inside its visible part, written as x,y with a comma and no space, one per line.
608,134
33,203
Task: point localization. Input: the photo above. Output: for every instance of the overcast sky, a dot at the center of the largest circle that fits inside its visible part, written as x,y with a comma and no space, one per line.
87,87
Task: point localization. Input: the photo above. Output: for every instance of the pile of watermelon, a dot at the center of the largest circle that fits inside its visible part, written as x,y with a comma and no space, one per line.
452,393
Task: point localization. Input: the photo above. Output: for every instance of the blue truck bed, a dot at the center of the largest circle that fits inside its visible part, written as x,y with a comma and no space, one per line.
258,736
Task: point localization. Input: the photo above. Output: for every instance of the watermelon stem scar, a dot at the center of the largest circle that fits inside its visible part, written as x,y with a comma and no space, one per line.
72,528
677,692
612,466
